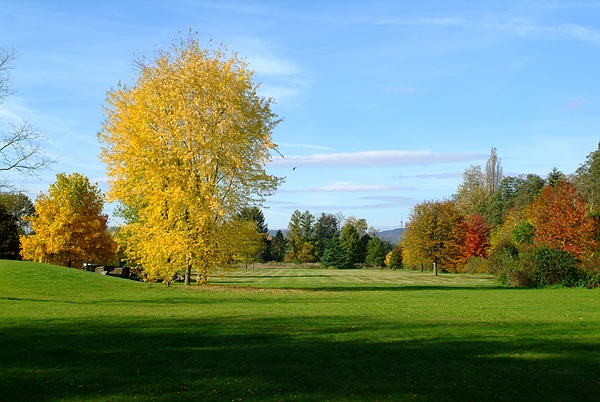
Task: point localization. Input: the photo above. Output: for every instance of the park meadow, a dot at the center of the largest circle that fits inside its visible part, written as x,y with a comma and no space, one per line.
293,333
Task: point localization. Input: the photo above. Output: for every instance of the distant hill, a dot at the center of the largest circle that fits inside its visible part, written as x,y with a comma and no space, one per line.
272,233
392,236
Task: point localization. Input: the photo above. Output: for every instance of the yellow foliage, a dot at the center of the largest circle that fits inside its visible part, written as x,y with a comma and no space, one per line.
412,259
185,149
503,232
69,228
251,243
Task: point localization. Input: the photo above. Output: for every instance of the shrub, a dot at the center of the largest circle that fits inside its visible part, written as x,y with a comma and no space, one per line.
476,265
393,259
553,267
502,255
523,233
513,271
540,267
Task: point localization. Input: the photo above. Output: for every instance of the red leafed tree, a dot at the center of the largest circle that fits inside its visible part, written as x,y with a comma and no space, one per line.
477,233
560,220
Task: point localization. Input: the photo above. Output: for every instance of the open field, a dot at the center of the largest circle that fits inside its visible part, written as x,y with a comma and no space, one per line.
293,334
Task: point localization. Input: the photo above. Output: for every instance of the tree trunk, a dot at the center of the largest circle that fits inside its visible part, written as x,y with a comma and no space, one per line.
435,268
188,273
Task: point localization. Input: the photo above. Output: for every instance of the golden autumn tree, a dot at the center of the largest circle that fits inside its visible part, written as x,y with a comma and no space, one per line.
69,227
185,148
435,233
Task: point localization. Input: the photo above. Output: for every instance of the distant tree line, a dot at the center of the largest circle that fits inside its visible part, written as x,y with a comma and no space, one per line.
329,239
527,230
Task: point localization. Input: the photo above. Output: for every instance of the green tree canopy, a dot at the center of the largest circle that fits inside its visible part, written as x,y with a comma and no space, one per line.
10,246
19,206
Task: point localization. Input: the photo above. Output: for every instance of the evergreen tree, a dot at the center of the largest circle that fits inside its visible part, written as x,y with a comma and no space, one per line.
278,247
376,252
9,236
255,214
327,226
350,243
334,255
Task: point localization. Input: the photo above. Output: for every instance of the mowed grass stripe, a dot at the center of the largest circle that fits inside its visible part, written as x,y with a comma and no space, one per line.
331,278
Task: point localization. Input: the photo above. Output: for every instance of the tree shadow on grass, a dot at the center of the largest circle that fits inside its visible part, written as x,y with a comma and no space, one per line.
300,358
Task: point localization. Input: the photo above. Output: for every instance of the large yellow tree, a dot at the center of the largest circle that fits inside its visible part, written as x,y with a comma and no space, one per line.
69,227
185,148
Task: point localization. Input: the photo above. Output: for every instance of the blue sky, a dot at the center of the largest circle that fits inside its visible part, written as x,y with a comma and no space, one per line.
385,103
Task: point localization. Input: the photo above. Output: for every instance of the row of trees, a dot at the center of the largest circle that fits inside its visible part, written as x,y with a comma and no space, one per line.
526,229
67,227
331,240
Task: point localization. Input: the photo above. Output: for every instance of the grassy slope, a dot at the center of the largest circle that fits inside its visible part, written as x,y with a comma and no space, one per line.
293,334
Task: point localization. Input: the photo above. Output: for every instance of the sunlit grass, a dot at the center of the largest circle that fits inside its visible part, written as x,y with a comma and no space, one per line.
293,334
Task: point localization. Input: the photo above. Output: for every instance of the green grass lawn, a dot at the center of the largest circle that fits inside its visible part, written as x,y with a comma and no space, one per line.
293,334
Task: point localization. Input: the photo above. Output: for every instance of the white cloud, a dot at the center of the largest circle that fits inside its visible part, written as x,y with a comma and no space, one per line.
398,202
350,187
373,159
524,27
580,32
450,175
309,146
281,77
279,92
269,64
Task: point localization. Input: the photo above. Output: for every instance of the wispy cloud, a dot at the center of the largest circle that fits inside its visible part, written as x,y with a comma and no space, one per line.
581,32
350,187
390,203
525,27
574,105
269,64
426,22
240,7
308,146
451,175
286,78
374,159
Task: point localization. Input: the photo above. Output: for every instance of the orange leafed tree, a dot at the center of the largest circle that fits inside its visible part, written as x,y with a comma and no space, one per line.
477,233
69,227
560,220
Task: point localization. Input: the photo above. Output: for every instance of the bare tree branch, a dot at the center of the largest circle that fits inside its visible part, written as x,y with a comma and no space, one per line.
6,58
20,149
20,143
